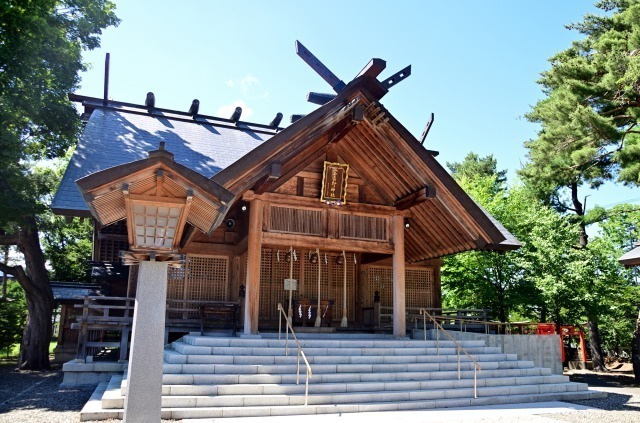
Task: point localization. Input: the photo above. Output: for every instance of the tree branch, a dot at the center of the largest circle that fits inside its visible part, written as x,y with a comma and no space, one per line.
9,239
16,271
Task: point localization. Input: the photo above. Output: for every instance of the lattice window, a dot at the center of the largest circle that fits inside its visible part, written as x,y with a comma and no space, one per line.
280,272
266,288
418,287
206,278
175,283
381,280
108,249
363,227
299,221
336,282
310,287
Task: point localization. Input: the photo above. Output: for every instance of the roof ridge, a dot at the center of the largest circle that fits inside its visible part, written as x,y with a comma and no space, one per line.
92,103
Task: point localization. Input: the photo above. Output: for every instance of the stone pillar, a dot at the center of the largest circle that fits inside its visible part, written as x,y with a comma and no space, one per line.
399,306
254,253
144,382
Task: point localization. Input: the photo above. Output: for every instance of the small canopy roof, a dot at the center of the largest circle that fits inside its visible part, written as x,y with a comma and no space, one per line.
632,258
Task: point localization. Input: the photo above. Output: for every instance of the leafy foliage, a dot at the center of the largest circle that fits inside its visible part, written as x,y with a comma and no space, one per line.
589,117
13,311
41,44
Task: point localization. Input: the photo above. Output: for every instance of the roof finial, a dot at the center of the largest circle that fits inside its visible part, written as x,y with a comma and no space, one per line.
161,148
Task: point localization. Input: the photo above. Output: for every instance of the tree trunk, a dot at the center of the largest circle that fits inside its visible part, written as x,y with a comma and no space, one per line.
579,209
635,350
34,279
597,357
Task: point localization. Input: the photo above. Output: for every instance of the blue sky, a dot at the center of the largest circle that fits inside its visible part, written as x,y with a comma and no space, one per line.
474,63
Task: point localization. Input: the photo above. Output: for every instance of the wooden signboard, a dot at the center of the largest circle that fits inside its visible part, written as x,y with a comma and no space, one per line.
334,183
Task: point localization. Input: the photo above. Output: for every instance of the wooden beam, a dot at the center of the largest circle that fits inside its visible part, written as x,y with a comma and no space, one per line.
319,67
274,173
397,77
320,98
295,201
277,239
415,198
373,68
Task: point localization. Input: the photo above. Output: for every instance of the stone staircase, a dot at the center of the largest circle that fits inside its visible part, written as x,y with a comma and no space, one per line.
214,377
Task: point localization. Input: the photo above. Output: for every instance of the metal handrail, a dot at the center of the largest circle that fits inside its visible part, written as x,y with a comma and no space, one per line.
462,321
300,352
476,366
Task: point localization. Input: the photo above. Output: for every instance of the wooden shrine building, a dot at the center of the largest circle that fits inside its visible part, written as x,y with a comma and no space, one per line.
344,201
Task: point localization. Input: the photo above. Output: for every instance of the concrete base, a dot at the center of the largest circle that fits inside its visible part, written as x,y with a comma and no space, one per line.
543,350
79,373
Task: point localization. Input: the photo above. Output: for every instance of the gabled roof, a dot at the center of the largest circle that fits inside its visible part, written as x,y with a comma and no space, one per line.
118,134
389,159
631,258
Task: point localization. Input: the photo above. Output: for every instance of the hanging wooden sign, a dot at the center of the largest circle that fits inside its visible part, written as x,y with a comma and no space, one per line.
334,183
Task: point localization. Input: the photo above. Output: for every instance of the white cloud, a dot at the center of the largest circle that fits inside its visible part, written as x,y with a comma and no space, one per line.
227,110
247,82
230,83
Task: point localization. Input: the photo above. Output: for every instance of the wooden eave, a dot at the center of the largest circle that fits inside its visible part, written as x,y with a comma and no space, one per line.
387,157
112,180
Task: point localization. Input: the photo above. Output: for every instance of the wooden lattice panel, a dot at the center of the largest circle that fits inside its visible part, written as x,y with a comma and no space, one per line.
280,272
175,283
418,287
298,221
310,287
418,284
336,289
107,249
381,280
363,227
267,309
206,278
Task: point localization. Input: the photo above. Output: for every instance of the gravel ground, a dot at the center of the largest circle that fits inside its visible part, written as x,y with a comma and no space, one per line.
36,397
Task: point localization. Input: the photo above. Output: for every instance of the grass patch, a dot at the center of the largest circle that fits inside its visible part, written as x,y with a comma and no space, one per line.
14,350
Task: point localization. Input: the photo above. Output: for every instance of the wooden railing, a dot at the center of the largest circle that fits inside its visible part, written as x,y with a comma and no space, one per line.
281,314
101,315
476,366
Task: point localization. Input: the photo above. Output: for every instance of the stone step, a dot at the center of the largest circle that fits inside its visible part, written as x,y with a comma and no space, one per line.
219,379
315,388
376,395
174,357
205,341
89,413
190,349
338,368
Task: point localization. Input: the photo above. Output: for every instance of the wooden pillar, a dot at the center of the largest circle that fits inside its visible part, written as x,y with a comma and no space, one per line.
399,306
254,252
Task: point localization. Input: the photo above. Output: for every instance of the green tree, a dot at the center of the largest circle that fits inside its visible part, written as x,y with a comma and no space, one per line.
589,118
485,279
67,248
41,43
13,312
